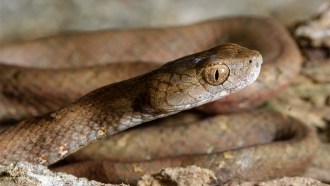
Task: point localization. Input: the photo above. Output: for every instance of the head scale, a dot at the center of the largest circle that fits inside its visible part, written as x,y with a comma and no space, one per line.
203,77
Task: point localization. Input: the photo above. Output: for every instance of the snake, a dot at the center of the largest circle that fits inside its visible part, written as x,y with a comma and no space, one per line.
55,71
184,83
178,85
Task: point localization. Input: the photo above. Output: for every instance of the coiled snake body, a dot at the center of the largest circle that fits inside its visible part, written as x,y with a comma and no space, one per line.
178,85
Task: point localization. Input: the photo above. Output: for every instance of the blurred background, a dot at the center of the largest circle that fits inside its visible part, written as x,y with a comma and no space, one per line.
29,19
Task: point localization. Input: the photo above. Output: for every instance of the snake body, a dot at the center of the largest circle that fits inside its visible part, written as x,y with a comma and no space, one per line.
251,146
158,45
182,84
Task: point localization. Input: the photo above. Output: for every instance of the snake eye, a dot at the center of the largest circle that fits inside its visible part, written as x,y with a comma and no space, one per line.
216,74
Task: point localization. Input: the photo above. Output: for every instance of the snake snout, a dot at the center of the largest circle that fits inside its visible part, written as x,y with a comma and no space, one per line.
254,68
256,62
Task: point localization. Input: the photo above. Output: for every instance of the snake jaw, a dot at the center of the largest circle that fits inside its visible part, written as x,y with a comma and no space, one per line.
251,69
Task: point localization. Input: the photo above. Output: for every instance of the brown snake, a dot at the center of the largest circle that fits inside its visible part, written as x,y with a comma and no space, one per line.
179,85
111,109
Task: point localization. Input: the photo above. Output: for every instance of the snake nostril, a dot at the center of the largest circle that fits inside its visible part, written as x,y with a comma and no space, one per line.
250,61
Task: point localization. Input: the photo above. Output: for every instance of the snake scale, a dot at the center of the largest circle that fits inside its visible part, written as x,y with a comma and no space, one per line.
187,82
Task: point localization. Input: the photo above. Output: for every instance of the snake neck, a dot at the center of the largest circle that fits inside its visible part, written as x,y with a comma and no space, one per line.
101,113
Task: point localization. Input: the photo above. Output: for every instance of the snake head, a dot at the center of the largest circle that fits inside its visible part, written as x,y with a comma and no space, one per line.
203,77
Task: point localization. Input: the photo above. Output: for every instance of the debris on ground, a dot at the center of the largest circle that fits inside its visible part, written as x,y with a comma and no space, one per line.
24,173
315,32
191,175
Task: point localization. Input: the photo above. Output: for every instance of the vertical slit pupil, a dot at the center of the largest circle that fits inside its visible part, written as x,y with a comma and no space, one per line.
216,75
